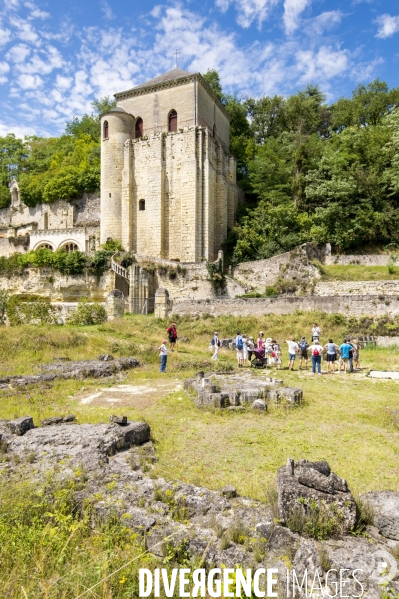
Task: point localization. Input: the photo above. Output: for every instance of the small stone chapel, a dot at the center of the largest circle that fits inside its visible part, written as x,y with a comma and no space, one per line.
168,181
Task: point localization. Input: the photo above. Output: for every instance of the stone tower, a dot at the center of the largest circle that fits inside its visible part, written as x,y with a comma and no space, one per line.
168,181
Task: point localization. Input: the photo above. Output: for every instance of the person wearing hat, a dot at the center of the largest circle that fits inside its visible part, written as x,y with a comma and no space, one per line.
172,335
163,354
215,343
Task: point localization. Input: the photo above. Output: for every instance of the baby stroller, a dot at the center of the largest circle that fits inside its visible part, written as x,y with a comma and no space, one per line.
260,360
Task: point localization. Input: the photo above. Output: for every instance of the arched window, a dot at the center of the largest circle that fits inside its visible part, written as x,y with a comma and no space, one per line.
141,204
139,128
173,120
106,130
46,246
70,247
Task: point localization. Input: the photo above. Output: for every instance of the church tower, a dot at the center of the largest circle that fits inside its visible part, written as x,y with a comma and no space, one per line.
168,181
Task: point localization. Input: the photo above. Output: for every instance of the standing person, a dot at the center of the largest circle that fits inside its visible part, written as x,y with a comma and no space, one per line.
316,350
163,354
303,352
244,349
261,341
345,350
172,335
293,348
239,349
276,354
215,343
332,351
251,348
315,332
356,353
350,355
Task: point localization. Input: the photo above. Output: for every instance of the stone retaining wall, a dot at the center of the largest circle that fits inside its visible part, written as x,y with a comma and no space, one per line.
350,305
58,287
369,288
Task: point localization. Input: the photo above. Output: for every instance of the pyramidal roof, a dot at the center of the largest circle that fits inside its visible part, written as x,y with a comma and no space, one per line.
175,73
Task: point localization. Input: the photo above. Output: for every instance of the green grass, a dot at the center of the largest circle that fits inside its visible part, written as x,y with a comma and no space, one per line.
344,420
358,272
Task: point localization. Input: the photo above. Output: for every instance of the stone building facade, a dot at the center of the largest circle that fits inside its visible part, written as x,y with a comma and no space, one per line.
60,225
168,181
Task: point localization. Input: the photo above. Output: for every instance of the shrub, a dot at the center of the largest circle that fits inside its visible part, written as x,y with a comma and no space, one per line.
87,313
30,309
271,290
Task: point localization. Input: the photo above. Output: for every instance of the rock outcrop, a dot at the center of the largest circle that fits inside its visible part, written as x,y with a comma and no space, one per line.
112,464
103,367
306,487
385,506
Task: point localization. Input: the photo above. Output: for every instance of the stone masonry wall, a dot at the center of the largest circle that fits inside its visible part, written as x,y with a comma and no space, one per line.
369,288
349,305
58,287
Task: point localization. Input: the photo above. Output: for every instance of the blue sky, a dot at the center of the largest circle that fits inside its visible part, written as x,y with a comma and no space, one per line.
56,56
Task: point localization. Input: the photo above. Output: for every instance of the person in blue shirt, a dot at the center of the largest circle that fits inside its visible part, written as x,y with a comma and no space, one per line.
239,349
345,350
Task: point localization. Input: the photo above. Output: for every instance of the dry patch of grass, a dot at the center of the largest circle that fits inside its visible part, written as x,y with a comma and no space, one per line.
358,272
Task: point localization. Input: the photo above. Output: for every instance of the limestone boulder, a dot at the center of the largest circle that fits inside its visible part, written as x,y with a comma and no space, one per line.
385,505
308,487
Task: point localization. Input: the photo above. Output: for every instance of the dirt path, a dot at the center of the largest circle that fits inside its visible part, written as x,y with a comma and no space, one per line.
141,396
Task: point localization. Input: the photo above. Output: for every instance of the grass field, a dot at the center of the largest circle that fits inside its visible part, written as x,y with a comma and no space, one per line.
358,272
48,552
345,419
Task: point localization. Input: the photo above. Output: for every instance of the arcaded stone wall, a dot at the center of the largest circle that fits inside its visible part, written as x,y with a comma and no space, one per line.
348,305
59,287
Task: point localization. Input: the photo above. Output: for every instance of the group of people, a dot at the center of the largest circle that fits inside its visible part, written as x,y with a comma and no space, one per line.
268,350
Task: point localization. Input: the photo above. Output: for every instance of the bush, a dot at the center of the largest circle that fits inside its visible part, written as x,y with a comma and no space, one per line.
30,309
87,313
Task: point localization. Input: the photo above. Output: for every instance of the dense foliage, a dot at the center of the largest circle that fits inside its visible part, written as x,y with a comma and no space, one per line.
56,167
71,263
314,172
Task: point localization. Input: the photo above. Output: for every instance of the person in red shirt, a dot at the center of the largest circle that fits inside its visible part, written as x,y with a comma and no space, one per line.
172,335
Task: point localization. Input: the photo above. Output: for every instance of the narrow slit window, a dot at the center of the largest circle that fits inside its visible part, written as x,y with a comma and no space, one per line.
139,128
106,130
172,121
142,205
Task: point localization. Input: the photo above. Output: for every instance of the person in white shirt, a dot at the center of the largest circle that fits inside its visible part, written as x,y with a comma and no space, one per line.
315,332
163,354
293,349
215,343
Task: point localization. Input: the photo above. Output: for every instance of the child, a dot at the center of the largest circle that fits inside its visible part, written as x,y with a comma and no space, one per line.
163,354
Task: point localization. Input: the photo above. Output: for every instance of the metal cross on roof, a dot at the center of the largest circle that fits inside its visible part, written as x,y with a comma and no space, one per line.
176,54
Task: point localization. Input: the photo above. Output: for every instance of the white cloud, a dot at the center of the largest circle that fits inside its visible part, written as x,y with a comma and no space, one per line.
107,10
18,130
325,21
5,35
29,81
18,53
4,68
388,25
248,11
324,64
24,30
292,10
